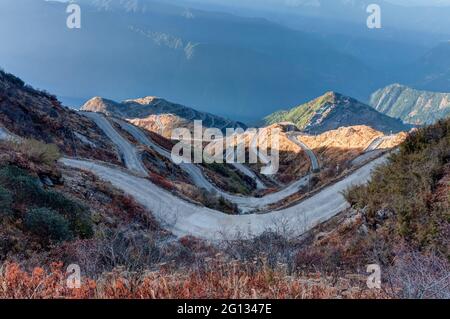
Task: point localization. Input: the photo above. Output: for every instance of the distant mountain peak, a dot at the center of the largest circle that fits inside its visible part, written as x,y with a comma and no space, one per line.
333,110
157,114
144,100
411,105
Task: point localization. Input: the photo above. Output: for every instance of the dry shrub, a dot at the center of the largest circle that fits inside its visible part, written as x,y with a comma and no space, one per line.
37,151
161,181
218,280
417,275
39,284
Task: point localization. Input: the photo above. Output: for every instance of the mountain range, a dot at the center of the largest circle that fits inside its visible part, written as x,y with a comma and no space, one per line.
430,72
158,115
333,110
239,67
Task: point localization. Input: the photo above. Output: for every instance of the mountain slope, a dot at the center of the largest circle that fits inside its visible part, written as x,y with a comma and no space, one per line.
36,114
410,195
157,115
410,105
334,110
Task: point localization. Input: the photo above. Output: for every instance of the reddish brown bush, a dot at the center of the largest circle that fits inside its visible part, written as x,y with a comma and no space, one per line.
218,280
161,181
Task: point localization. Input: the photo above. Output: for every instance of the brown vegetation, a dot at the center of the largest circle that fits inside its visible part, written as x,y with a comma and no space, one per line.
217,280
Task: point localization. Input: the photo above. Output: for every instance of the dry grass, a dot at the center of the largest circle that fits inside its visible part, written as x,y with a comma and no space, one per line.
218,280
37,151
341,145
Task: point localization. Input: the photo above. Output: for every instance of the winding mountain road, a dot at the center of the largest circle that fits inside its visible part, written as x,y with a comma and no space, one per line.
129,153
183,218
192,170
293,137
246,205
377,142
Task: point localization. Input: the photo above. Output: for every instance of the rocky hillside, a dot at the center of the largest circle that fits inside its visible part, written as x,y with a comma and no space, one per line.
157,115
30,113
334,110
410,105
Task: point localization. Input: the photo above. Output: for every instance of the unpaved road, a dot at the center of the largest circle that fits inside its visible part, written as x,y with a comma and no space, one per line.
377,142
129,153
183,218
293,137
192,170
246,205
248,172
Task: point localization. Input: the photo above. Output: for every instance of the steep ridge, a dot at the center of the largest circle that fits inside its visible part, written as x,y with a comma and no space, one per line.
343,146
334,110
409,199
410,105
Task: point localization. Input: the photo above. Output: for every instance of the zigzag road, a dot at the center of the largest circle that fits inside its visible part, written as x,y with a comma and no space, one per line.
293,137
183,218
127,151
245,204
